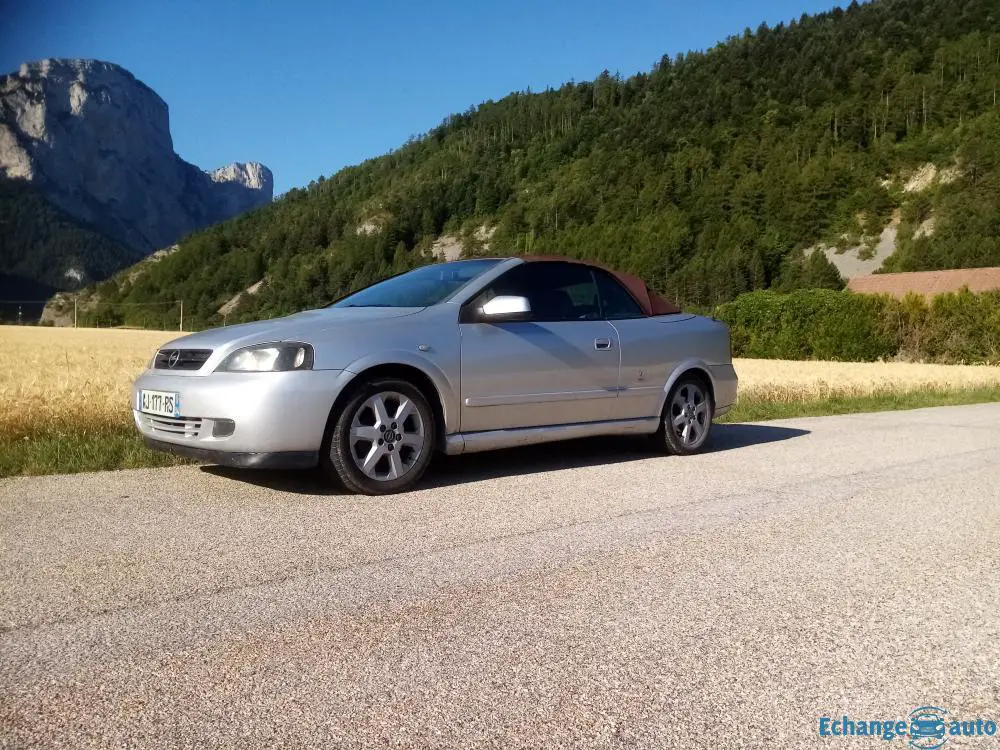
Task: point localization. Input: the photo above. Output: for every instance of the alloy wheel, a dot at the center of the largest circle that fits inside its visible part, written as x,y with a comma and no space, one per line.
387,436
689,415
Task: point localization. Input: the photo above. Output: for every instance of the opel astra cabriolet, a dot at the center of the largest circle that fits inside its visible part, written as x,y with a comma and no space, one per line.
457,357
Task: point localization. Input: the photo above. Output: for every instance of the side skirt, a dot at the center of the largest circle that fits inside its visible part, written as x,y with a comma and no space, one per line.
473,442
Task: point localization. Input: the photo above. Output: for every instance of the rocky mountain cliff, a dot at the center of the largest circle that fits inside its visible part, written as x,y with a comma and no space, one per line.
95,142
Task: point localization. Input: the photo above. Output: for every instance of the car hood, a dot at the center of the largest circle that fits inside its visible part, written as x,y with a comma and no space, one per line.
297,327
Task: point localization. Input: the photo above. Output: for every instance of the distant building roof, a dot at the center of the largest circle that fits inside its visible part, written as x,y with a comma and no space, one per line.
927,283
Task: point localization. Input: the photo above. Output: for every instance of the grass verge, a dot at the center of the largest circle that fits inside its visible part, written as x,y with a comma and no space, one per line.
118,446
758,410
104,448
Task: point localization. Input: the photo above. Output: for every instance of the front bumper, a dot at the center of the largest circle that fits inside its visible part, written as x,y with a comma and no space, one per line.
272,413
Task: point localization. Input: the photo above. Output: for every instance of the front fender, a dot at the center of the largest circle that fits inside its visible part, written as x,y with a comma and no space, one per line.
446,387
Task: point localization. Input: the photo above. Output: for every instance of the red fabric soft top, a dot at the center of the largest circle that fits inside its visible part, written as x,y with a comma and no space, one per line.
650,301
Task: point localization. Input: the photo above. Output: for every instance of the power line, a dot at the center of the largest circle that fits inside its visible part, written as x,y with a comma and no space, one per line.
23,301
93,307
89,303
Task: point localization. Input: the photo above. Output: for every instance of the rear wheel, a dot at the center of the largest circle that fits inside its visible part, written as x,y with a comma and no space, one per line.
382,440
687,417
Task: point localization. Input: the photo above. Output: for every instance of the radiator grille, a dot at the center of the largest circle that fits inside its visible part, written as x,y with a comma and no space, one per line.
181,359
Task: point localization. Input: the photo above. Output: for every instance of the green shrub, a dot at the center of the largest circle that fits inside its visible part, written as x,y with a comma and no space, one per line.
963,327
811,324
832,325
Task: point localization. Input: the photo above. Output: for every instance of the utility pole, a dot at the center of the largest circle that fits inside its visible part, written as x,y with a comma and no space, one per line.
181,329
74,312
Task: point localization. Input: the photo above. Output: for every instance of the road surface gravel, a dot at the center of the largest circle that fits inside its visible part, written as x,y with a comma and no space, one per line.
581,595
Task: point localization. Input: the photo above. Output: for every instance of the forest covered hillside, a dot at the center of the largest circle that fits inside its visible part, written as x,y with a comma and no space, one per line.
43,249
707,175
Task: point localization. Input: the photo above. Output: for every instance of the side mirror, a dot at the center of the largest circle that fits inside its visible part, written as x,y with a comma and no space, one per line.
505,309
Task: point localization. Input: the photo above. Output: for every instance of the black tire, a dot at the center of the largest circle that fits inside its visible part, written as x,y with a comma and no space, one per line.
353,435
689,406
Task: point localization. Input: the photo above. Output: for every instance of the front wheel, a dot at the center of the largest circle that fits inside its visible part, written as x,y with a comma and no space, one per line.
687,417
382,440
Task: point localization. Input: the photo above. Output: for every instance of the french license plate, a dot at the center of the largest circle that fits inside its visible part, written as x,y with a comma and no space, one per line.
161,403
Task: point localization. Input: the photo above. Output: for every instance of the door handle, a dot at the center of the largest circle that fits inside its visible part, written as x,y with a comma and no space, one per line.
602,343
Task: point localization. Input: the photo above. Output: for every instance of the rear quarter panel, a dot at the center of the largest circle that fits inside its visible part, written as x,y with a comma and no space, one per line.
656,351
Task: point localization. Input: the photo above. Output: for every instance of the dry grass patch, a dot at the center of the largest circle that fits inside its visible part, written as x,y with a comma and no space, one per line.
65,395
784,381
66,378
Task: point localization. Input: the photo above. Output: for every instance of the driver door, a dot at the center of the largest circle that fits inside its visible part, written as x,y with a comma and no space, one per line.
558,366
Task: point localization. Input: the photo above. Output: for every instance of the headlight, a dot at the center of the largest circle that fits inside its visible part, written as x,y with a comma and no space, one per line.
280,357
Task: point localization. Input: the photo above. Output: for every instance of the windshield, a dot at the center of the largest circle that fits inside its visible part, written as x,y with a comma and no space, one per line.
420,287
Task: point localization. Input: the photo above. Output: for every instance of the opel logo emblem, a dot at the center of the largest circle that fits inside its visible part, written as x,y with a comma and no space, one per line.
174,358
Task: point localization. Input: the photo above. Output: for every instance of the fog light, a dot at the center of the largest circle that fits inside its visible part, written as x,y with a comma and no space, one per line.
223,428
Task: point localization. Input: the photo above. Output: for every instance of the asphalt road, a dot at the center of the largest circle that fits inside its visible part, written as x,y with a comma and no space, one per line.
584,595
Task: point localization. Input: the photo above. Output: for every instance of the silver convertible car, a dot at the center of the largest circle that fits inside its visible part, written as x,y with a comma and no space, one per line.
455,357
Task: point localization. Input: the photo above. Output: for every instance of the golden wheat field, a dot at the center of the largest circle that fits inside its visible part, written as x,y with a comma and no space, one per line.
65,377
787,381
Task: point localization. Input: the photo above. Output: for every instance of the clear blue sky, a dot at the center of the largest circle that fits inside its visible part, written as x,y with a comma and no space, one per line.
309,86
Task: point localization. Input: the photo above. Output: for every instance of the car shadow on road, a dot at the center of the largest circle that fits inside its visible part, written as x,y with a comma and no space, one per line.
452,470
726,437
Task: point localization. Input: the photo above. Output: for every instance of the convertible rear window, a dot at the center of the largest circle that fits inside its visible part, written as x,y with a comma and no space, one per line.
616,302
421,287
